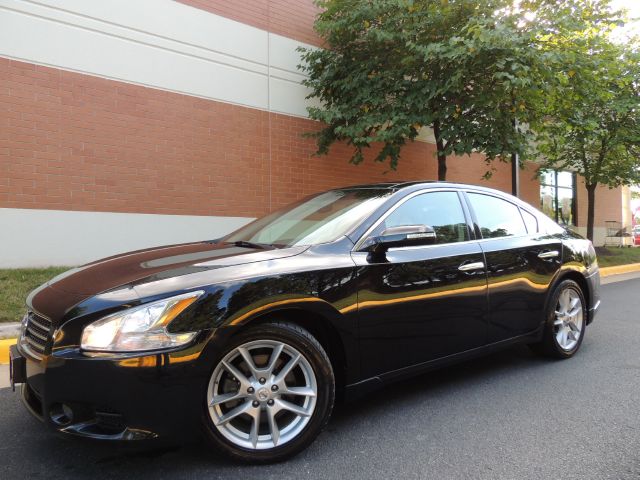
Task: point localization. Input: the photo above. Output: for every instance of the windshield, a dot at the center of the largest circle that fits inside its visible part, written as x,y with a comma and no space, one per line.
318,219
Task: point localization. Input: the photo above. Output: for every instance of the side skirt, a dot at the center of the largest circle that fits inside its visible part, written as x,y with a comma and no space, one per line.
356,390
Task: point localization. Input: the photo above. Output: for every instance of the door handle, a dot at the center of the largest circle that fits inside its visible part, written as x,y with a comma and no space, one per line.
549,254
466,267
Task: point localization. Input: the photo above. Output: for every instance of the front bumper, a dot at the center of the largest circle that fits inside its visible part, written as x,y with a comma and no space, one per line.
152,396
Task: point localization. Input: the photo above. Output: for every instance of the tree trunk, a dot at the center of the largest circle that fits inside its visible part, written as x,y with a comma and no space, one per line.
442,166
442,158
591,208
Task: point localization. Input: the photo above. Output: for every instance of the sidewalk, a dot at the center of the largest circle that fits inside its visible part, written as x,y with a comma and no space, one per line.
9,330
4,376
619,277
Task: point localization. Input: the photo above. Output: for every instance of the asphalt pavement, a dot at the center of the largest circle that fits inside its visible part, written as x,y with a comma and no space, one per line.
511,416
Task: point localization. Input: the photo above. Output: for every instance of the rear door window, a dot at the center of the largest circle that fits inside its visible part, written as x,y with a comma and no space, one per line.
496,217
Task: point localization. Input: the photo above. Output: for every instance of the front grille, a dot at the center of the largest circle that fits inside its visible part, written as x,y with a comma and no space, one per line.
37,333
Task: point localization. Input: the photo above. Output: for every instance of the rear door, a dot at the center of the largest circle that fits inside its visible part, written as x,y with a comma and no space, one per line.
521,264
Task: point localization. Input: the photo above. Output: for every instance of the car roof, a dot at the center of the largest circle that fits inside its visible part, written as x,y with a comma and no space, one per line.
396,186
385,185
412,186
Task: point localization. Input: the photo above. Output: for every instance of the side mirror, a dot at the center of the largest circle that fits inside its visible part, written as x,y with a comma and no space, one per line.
402,236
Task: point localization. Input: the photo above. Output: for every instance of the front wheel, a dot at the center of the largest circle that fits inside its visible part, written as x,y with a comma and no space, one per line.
270,393
566,320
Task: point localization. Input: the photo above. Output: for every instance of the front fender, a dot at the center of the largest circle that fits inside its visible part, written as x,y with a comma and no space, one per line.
328,296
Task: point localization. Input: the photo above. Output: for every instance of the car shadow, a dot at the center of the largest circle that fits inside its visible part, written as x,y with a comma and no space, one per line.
447,379
60,455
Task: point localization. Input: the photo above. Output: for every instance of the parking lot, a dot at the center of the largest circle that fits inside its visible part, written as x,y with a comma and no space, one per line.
508,416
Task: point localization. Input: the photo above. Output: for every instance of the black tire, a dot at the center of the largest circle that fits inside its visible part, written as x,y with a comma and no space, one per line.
549,345
301,340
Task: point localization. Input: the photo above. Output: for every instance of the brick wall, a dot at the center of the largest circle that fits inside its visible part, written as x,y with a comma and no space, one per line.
290,18
75,142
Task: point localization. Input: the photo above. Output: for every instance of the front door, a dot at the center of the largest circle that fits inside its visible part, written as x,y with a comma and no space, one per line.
422,303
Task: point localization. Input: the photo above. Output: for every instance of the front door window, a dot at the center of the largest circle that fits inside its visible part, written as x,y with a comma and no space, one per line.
440,210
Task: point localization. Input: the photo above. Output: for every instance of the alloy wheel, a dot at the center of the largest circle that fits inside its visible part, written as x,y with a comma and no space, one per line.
262,394
569,319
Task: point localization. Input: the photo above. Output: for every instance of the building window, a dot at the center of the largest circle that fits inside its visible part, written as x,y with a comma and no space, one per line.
558,196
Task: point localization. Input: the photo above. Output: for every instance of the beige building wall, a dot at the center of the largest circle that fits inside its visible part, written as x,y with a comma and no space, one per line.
612,204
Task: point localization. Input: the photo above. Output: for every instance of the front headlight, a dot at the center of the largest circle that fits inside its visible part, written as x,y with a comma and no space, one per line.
139,329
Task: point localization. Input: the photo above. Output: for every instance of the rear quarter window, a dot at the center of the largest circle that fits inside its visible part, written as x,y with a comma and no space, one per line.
548,226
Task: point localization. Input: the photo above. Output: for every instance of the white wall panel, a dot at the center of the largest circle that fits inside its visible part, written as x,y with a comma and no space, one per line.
163,19
161,44
40,238
157,43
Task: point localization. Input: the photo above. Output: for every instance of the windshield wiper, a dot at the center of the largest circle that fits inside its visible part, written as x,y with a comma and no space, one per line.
244,243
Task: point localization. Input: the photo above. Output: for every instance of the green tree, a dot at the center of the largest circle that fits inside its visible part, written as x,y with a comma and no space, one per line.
592,122
469,70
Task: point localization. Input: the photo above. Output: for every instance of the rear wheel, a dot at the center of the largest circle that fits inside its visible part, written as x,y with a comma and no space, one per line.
270,393
566,320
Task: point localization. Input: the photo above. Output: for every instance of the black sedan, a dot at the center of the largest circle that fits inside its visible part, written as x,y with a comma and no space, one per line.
250,338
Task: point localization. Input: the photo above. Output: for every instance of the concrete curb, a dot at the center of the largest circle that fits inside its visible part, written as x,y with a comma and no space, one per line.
618,269
4,349
9,331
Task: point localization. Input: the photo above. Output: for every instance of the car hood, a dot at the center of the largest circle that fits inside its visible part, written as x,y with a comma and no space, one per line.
144,266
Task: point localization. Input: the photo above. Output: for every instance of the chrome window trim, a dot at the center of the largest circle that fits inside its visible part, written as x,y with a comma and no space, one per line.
365,236
535,217
420,247
482,240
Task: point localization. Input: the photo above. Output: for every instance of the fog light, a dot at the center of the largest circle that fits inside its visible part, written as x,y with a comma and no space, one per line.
67,412
61,414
